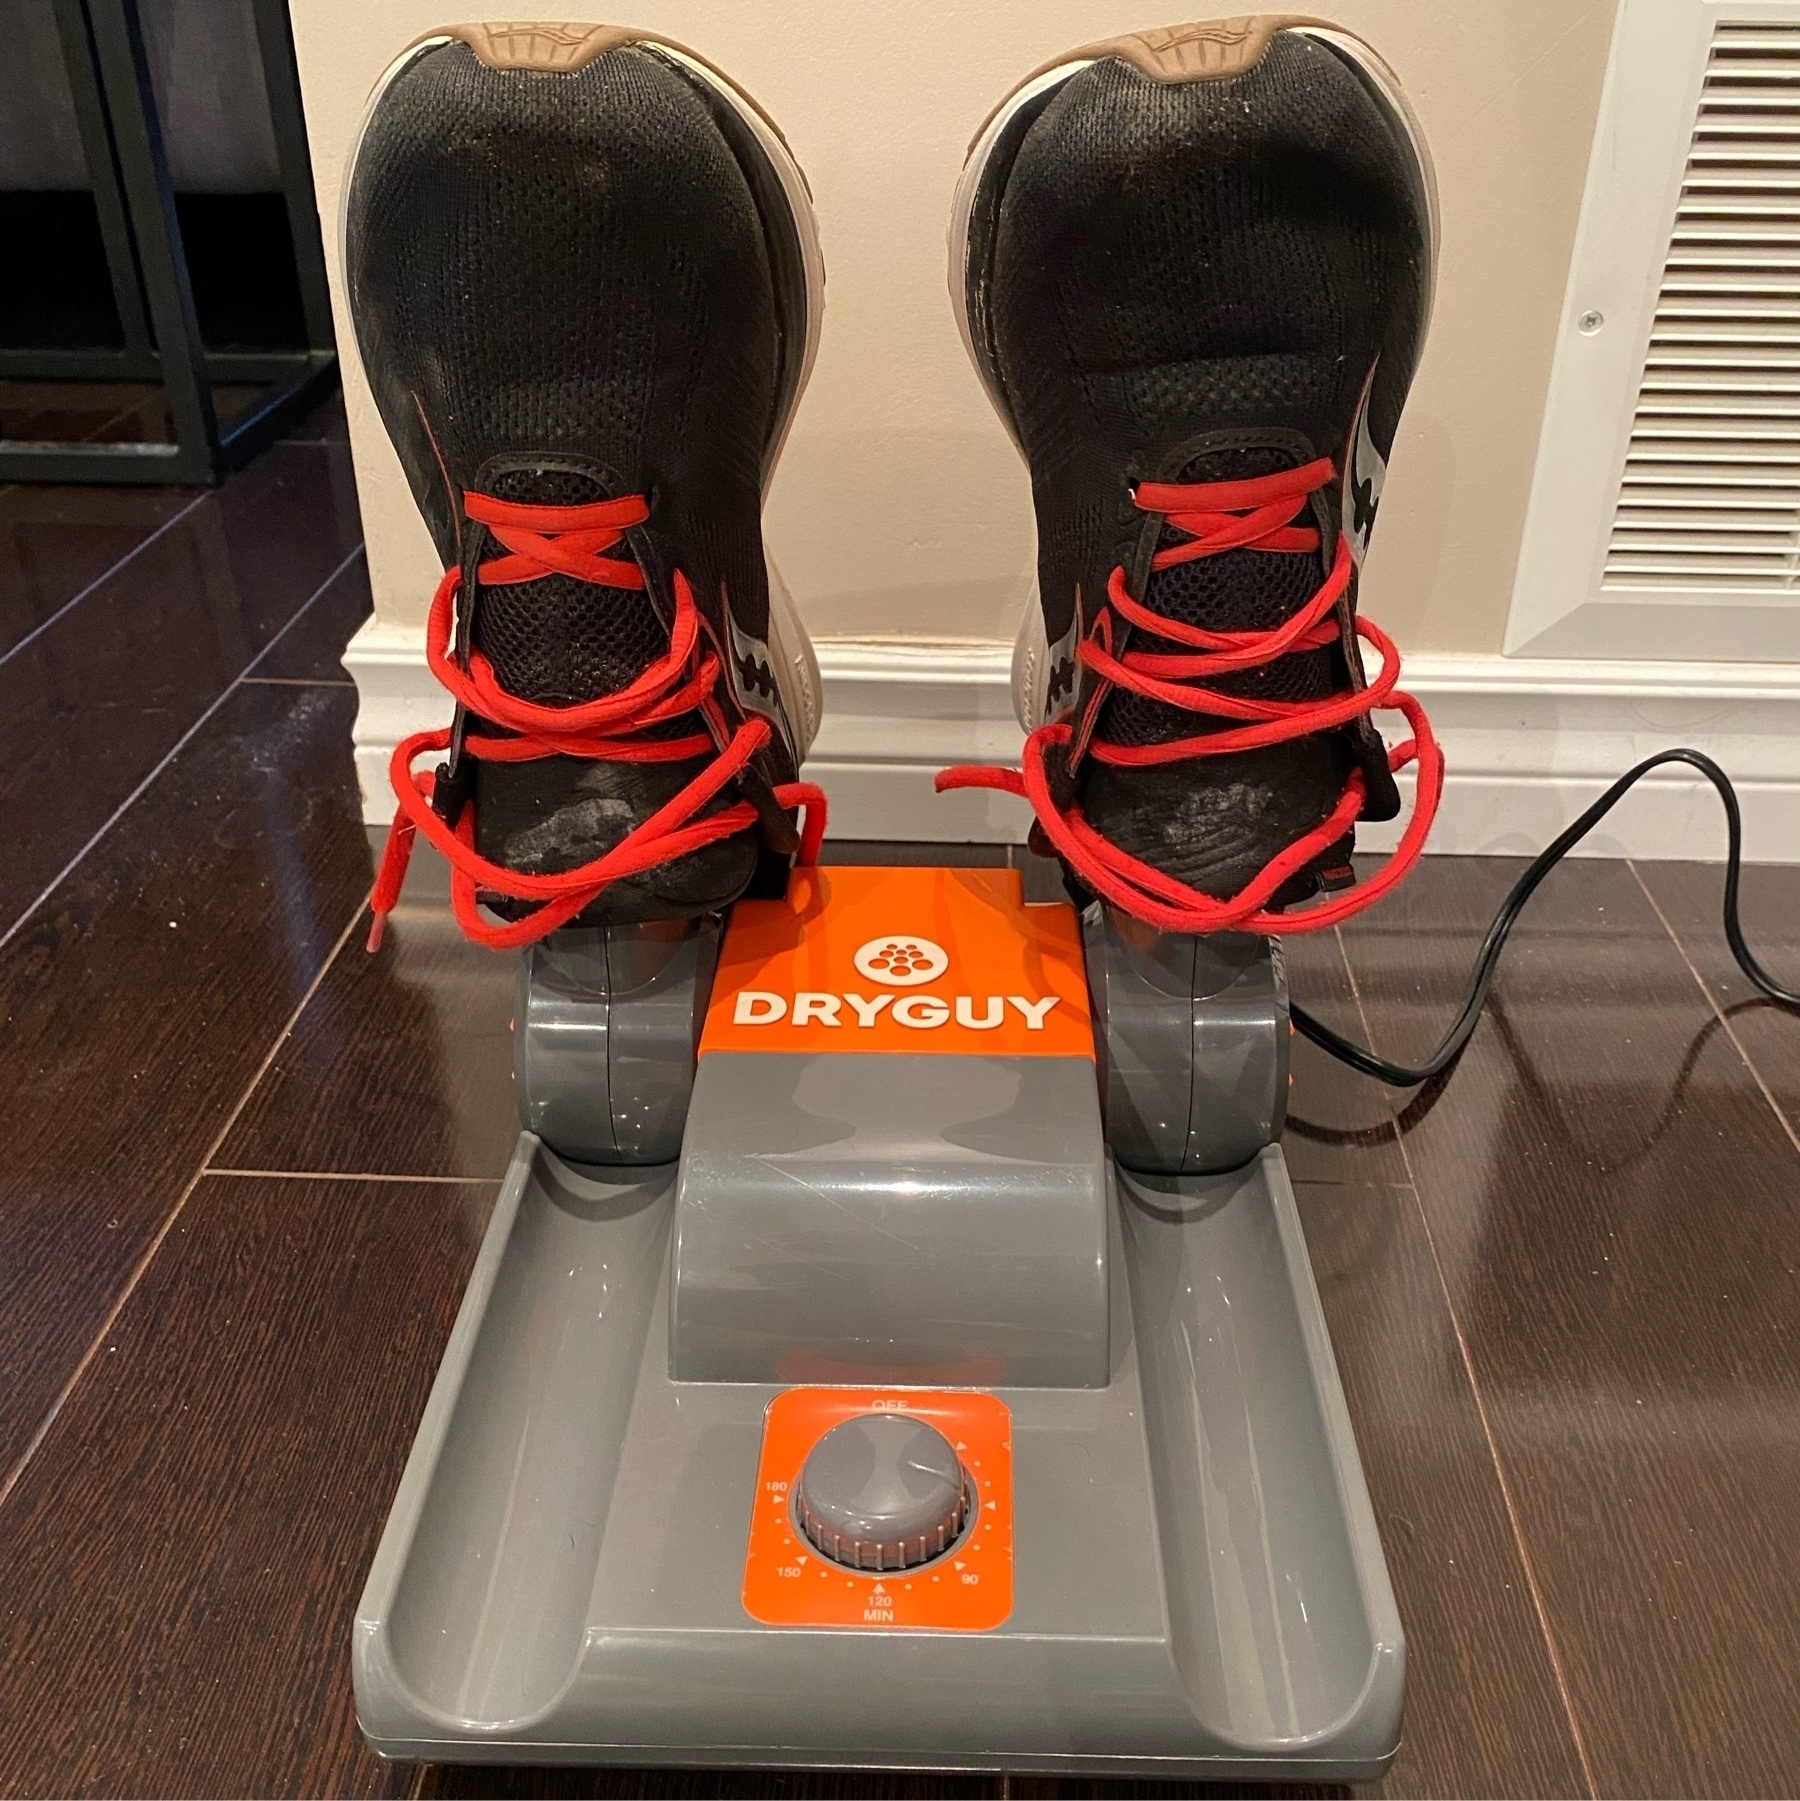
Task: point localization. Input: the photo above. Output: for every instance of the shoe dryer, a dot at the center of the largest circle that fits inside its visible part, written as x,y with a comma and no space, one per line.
894,1346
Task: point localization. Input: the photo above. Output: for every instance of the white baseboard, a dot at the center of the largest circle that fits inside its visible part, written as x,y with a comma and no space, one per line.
1529,744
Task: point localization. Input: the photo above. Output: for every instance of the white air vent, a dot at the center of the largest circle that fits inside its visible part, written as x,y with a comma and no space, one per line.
1711,492
1665,511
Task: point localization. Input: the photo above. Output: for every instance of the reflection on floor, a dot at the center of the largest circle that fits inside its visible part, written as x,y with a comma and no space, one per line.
244,1169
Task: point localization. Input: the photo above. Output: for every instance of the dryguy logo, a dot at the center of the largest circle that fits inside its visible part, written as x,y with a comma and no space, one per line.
902,962
894,960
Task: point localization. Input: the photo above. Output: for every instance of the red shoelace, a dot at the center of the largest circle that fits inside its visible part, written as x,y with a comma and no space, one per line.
572,541
1218,516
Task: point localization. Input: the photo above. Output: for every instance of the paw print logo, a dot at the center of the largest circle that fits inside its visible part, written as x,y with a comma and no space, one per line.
901,961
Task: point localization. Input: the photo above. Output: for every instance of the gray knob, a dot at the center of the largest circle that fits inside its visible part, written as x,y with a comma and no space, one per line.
881,1492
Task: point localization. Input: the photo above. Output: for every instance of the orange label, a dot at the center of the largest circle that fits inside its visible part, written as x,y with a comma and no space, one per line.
787,1582
945,960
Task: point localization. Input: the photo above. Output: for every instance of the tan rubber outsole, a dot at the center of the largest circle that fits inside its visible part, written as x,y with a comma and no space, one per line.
1206,50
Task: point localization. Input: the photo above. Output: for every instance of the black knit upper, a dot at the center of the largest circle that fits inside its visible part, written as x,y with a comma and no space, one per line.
564,290
1191,282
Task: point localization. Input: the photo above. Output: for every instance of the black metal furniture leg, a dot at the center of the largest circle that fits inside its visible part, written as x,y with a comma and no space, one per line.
144,171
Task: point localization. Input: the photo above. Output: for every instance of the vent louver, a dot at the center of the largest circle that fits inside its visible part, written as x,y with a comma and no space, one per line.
1711,492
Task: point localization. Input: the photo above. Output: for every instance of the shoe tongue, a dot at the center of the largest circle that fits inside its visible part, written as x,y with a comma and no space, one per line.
1237,463
1238,590
547,488
1235,591
558,641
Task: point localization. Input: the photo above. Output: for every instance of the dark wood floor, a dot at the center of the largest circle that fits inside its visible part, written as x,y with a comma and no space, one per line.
244,1169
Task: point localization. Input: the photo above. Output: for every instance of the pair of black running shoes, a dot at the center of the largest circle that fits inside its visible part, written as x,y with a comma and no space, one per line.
1193,268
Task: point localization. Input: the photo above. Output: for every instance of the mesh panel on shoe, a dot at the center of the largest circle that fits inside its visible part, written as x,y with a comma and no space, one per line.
1236,591
1162,398
557,641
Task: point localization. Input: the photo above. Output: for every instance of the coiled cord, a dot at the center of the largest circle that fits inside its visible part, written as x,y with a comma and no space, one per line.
1401,1075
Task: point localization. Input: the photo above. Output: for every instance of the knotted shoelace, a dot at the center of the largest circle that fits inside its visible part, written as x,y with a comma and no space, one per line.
572,540
1256,514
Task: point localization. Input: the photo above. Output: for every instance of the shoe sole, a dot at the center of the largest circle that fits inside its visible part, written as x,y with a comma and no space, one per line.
1210,50
554,49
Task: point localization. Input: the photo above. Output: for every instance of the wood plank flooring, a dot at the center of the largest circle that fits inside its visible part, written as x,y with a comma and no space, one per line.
1611,1199
244,1168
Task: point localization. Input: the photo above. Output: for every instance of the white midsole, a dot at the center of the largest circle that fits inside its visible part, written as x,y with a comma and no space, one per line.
795,664
794,661
1031,649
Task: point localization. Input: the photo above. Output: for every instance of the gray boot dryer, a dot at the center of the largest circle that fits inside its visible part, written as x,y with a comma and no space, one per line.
1079,1491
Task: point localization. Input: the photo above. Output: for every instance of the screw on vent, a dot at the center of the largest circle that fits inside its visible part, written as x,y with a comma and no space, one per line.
882,1492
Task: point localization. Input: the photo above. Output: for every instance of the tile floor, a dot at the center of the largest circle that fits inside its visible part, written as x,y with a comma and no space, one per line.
244,1169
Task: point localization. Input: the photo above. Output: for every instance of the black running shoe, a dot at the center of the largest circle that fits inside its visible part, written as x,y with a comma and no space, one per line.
1194,268
586,285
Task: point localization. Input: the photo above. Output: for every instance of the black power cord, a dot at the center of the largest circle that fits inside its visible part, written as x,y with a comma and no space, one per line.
1400,1075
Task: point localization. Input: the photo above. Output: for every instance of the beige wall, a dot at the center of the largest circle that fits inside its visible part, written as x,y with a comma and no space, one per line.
900,506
